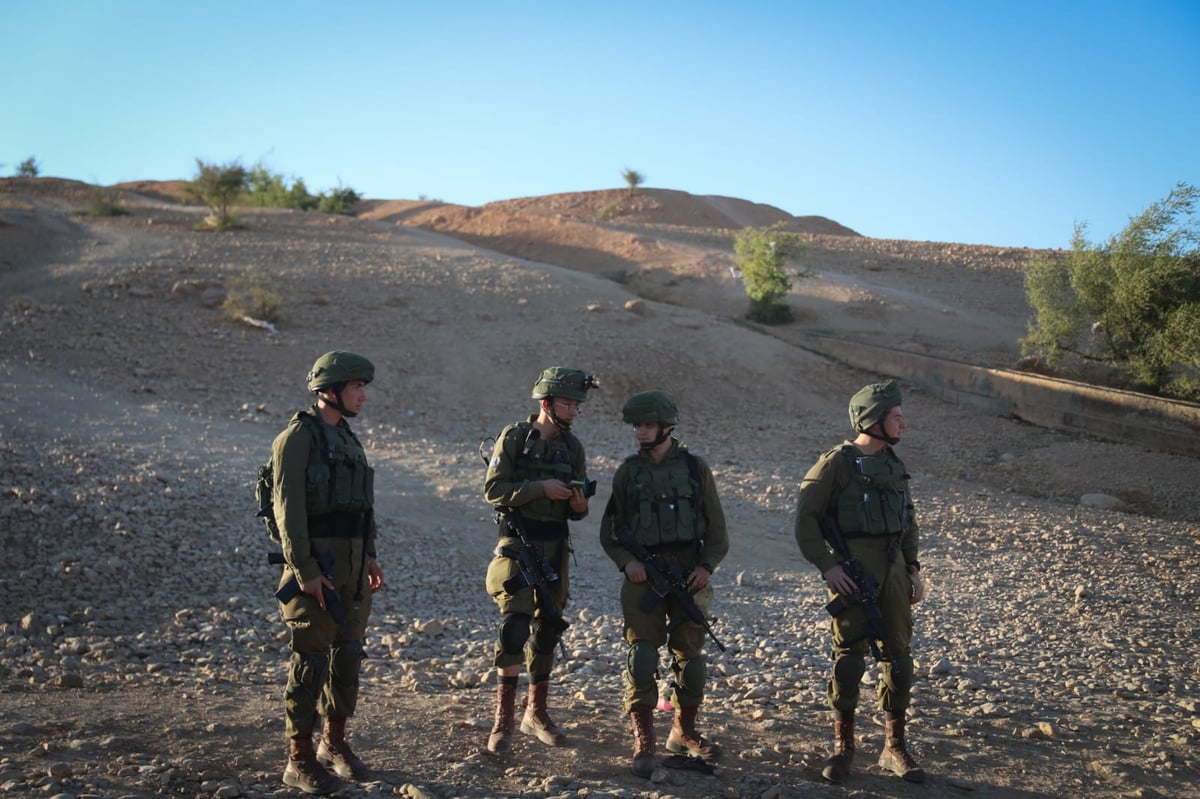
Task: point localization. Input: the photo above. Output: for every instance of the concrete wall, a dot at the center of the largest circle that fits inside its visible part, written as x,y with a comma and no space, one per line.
1153,422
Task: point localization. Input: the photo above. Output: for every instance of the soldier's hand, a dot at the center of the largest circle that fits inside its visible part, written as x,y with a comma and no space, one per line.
839,582
579,502
374,575
698,578
314,588
635,571
556,489
918,586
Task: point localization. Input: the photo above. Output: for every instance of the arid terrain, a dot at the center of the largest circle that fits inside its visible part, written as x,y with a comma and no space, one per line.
142,654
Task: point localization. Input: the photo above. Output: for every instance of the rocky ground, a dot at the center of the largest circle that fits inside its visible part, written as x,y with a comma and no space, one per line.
142,653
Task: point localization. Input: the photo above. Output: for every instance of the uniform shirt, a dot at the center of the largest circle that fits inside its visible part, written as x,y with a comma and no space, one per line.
715,537
503,488
292,452
820,488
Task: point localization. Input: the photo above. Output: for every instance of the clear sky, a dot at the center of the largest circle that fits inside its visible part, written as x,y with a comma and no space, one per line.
978,121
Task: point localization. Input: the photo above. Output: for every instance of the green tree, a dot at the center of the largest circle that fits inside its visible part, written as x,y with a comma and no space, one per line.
1132,303
28,168
761,254
633,179
218,186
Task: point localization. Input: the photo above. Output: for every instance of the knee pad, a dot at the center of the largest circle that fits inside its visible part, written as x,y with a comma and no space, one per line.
345,661
642,662
693,674
545,636
514,632
901,671
849,670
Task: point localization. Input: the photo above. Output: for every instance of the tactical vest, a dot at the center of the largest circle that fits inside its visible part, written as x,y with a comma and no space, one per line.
338,478
664,500
875,499
543,459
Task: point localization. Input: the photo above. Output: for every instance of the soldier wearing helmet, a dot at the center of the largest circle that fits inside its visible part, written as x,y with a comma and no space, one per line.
863,486
324,505
667,500
538,471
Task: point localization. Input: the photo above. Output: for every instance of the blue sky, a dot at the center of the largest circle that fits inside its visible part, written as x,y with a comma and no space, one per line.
999,122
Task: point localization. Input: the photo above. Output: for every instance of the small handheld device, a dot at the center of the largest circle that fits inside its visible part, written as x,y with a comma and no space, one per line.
588,487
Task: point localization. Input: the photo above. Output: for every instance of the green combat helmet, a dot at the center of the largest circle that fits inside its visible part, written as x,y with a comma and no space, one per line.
339,367
871,403
650,406
558,381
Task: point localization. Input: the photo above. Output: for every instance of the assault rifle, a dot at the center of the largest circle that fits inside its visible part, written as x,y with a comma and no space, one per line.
535,571
866,593
665,581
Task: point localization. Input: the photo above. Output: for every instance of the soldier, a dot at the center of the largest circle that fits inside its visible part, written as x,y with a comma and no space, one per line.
323,500
537,470
666,499
863,486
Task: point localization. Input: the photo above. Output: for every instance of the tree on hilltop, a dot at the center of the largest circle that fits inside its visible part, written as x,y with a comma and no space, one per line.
633,179
1132,304
28,168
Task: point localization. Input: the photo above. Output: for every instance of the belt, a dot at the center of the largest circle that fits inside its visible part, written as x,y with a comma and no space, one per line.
337,524
862,534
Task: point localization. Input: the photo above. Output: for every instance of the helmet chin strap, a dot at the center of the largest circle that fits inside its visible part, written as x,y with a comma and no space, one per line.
664,432
338,406
548,406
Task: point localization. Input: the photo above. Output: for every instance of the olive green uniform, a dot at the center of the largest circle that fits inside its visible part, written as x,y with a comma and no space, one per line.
869,497
521,459
672,509
323,504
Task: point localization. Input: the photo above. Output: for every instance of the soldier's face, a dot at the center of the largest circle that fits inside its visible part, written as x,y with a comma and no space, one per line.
566,409
646,432
354,395
893,423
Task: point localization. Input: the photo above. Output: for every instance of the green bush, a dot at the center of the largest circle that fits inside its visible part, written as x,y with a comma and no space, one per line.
607,211
1131,304
761,254
251,295
341,200
218,187
105,202
266,189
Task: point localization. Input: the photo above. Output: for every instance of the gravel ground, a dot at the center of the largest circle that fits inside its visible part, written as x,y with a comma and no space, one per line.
142,652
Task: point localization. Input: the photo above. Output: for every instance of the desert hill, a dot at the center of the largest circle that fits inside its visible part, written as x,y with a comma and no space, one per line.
1054,650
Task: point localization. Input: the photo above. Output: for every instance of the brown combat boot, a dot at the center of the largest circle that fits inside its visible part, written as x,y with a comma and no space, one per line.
536,720
335,752
304,772
895,757
500,739
837,767
684,738
643,740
